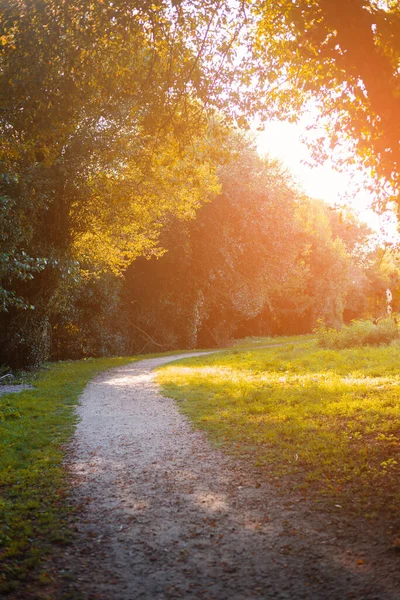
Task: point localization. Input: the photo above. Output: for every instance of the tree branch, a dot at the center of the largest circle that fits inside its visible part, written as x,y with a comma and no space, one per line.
147,335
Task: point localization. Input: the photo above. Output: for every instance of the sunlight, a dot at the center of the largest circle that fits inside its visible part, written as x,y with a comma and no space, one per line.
212,502
282,140
131,380
178,177
226,374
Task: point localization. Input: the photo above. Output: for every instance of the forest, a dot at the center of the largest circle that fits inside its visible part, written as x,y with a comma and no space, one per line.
135,212
199,358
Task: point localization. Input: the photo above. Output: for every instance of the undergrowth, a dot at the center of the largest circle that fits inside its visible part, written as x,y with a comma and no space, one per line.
358,333
324,422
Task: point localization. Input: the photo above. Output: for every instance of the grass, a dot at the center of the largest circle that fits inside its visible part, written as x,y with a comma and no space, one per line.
253,342
358,333
34,425
323,422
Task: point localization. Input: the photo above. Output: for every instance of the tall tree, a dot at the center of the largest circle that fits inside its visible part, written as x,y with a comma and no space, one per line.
341,58
243,252
103,129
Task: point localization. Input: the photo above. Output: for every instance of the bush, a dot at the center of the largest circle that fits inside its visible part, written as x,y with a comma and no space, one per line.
358,333
91,322
25,338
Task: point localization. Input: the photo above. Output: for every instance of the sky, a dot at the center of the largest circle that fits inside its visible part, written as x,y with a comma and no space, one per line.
283,141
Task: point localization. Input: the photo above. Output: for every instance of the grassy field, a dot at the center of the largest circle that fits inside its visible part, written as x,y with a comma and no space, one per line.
323,422
249,343
34,425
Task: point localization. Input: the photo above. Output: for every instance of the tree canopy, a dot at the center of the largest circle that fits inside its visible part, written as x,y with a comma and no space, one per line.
102,115
104,132
342,59
120,139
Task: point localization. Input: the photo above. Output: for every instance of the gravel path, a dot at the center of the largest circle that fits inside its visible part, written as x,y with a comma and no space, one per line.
164,516
14,388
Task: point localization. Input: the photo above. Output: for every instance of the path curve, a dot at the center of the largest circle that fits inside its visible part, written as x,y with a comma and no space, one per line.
165,516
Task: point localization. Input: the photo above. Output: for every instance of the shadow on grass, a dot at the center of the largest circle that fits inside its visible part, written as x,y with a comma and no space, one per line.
181,520
325,421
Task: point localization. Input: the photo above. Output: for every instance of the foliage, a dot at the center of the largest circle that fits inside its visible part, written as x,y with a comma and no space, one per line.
261,258
321,422
238,255
26,334
357,237
90,322
114,139
358,333
370,276
104,134
372,268
325,281
34,425
102,120
341,59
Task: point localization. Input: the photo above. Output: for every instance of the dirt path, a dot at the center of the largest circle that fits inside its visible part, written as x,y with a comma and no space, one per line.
165,516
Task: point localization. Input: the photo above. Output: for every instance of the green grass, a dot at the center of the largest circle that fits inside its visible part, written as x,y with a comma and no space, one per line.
323,422
34,425
254,342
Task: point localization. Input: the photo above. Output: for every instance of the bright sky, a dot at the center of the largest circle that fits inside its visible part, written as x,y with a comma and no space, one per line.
282,141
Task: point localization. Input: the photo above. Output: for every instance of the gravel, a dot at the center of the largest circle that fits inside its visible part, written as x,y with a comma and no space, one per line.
14,389
163,515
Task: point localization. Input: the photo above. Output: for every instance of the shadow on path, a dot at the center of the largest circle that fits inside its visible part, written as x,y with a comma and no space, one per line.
163,515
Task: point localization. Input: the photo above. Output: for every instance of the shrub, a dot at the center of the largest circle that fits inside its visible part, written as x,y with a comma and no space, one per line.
90,323
358,333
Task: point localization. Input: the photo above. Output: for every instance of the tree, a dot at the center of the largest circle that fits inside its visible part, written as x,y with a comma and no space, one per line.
104,134
360,243
323,287
341,58
241,254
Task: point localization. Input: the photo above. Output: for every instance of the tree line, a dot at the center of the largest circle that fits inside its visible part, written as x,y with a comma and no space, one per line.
134,214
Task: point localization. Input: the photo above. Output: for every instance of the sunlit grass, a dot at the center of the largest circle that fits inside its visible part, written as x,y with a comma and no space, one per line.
253,342
324,422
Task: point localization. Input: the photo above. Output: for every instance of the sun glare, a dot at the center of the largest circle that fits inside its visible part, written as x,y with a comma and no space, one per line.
282,140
